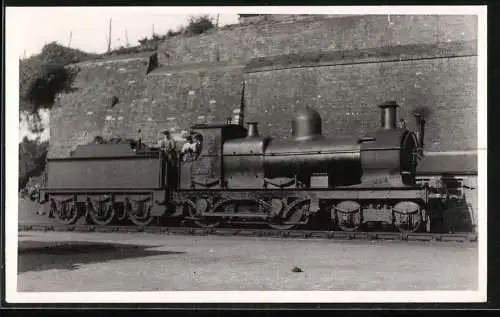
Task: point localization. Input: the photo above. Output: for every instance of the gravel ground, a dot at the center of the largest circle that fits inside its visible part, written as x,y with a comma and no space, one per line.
59,261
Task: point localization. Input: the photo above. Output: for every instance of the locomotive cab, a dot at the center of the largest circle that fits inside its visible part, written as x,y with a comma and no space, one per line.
206,171
244,159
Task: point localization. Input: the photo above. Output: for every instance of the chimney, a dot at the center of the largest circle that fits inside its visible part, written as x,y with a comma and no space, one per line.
237,117
252,130
388,115
420,131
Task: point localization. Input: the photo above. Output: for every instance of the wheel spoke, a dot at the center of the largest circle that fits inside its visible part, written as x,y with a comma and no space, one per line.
203,222
139,212
347,214
295,215
101,212
407,217
66,212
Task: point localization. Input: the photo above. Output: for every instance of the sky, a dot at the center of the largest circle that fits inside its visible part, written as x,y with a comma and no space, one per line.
89,26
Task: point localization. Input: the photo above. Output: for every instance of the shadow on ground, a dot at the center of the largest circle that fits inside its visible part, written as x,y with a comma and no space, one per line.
41,256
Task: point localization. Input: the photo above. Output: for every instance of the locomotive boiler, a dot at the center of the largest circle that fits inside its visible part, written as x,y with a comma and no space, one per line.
387,157
240,176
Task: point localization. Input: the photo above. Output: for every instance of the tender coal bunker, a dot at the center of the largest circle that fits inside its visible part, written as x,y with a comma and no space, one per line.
42,256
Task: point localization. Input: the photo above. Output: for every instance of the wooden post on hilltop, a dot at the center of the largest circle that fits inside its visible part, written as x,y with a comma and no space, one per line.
126,37
109,36
217,22
70,37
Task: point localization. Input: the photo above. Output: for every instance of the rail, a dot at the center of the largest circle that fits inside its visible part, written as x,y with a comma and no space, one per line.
270,233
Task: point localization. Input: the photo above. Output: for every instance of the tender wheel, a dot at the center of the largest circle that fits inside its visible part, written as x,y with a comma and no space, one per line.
201,204
64,211
347,214
101,212
407,216
139,212
295,214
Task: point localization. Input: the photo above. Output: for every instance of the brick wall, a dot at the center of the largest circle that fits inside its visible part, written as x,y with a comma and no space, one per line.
201,77
238,44
270,18
174,99
79,116
347,96
184,98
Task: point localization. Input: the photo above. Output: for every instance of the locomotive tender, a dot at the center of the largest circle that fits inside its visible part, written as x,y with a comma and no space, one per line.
241,176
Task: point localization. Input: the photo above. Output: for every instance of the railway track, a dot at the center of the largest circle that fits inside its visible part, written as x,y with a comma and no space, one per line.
271,233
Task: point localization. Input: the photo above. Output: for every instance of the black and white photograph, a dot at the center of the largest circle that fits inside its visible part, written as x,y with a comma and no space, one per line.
246,154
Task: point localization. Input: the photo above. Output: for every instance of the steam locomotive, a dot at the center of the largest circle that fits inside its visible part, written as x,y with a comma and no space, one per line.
240,176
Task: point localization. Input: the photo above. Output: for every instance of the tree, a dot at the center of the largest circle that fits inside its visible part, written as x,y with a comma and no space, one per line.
32,160
43,76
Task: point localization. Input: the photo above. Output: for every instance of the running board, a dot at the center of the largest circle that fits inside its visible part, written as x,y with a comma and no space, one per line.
233,215
305,222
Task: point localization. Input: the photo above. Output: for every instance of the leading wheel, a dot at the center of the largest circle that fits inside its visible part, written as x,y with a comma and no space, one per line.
408,217
347,214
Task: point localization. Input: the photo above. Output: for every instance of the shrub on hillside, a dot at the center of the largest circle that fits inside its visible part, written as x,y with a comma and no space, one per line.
32,159
43,76
199,25
54,53
151,43
172,33
122,50
41,82
28,73
196,25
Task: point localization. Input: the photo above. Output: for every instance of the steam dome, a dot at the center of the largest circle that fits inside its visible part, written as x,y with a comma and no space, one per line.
306,124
